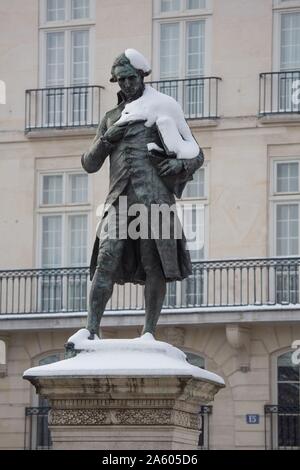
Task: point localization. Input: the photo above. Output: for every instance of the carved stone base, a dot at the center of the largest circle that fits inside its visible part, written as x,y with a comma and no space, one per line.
154,408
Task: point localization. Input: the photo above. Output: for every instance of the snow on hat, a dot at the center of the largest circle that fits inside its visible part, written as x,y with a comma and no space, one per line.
138,61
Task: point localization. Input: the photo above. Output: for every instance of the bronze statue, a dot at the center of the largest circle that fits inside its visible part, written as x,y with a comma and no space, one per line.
146,176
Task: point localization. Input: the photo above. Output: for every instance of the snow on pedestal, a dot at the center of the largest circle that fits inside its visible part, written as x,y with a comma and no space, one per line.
124,394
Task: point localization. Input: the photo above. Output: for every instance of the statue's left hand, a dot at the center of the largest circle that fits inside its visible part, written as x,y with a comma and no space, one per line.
170,167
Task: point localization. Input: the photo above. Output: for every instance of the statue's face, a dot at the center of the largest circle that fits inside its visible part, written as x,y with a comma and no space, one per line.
129,80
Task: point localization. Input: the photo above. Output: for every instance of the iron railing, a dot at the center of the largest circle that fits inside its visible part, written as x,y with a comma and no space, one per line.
279,92
62,107
198,96
204,417
282,427
37,434
222,283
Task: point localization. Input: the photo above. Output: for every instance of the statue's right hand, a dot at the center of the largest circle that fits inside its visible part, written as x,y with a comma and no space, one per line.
114,134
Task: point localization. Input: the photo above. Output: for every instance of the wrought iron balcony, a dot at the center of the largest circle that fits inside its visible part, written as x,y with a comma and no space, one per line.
198,96
279,93
282,427
213,284
62,107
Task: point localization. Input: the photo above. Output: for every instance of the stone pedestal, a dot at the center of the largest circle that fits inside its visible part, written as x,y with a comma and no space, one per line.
103,399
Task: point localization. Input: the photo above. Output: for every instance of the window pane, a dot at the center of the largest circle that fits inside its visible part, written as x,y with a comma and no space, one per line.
288,394
48,360
287,371
80,9
52,189
169,5
290,41
78,240
56,10
287,177
78,189
55,58
287,229
169,50
195,360
195,188
195,48
80,57
193,4
51,241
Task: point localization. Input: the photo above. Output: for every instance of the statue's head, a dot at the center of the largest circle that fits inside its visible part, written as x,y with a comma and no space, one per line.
129,70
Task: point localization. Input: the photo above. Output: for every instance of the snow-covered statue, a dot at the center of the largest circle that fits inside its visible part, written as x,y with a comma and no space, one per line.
152,156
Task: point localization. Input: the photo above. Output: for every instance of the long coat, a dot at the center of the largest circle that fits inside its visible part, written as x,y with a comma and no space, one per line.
129,160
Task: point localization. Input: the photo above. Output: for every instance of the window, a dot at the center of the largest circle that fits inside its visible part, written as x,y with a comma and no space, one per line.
175,64
286,204
286,56
65,62
64,221
290,41
192,211
288,399
182,31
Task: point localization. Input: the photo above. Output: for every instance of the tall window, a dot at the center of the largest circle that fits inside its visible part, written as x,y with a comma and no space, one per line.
63,210
287,54
288,400
66,27
286,201
182,43
192,209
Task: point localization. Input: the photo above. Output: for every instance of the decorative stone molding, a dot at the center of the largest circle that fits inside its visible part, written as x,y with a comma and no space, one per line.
238,337
85,417
128,417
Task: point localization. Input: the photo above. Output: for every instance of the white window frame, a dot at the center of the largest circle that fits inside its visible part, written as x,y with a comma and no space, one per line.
201,202
292,6
68,53
65,210
66,26
276,199
279,198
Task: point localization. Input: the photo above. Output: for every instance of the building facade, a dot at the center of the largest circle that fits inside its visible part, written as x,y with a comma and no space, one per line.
235,68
